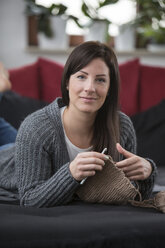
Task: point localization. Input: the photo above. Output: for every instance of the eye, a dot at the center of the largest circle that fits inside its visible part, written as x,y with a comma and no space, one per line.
100,80
81,76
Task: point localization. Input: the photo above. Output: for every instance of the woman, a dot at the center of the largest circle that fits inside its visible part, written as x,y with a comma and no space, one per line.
60,145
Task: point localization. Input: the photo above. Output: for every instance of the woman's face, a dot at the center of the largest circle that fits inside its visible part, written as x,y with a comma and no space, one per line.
88,87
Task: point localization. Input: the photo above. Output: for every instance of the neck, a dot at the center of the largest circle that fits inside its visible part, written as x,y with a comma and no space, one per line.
79,127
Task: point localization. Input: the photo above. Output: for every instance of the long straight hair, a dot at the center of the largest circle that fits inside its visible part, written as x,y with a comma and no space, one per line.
106,125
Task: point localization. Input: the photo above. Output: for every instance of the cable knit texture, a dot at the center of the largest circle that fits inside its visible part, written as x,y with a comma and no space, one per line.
36,169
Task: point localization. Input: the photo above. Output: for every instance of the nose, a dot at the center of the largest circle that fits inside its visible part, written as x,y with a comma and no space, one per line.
90,85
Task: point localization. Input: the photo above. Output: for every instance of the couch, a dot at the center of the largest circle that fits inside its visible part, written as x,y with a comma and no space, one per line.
79,224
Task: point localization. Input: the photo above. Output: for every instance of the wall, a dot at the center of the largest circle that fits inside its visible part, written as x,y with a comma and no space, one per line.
13,40
13,33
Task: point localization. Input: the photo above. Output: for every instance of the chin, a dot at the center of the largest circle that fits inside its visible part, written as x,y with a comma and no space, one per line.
86,109
89,108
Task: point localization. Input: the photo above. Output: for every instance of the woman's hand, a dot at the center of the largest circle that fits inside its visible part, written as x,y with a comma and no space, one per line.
134,167
86,164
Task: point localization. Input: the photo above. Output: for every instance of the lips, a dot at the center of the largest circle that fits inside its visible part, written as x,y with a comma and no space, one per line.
88,98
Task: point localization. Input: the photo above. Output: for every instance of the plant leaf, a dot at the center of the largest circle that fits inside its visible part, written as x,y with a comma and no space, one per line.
107,2
85,10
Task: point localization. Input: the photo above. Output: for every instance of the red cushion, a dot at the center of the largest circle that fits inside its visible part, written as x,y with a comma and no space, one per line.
129,74
25,80
51,75
152,86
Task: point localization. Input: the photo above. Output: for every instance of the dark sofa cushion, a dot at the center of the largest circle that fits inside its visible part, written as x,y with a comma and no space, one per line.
150,131
80,225
14,107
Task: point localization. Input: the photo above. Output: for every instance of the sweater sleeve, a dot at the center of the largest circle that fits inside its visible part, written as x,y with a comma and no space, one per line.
40,182
128,141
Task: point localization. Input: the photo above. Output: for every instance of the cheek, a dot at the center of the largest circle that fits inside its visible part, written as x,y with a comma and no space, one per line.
104,92
70,86
73,90
108,90
75,86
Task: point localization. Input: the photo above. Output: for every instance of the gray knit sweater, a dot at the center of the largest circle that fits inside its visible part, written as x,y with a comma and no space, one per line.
36,169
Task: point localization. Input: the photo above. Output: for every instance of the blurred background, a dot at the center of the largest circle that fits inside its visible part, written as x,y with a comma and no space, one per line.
47,28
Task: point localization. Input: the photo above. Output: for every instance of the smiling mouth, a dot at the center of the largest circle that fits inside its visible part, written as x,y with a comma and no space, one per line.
88,98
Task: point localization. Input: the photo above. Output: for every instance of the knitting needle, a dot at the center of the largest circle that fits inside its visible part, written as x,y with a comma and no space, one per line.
103,152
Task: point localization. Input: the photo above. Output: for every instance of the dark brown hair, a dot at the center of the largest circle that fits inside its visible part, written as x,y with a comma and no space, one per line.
106,127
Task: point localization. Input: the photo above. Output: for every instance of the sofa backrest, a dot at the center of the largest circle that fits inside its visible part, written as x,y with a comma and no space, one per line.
151,86
129,78
40,80
141,86
50,78
25,80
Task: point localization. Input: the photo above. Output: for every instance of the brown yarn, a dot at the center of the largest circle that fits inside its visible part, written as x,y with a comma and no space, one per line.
108,186
157,202
111,186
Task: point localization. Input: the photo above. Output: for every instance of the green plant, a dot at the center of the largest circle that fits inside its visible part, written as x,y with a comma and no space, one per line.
93,12
43,15
151,35
150,22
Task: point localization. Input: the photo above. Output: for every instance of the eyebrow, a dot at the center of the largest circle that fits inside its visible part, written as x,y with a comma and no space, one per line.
98,75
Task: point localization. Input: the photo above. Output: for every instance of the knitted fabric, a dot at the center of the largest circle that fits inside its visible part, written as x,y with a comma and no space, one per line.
111,186
108,186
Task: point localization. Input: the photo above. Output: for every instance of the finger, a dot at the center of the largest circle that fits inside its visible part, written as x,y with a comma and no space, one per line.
133,173
87,174
127,162
139,174
91,167
125,153
130,170
135,178
93,154
90,160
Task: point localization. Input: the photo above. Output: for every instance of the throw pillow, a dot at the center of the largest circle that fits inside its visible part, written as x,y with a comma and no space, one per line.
51,75
14,107
129,75
152,86
150,130
25,80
